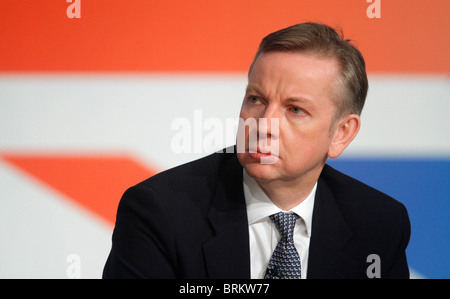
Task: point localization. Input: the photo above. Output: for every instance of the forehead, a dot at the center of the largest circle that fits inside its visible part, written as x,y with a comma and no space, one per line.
295,65
294,72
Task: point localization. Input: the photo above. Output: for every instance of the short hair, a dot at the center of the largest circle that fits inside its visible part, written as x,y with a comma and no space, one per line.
322,40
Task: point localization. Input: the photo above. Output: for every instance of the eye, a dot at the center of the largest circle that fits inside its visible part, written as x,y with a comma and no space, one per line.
254,100
296,110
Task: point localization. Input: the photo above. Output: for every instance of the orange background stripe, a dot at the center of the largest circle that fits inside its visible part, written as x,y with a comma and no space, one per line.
203,35
95,182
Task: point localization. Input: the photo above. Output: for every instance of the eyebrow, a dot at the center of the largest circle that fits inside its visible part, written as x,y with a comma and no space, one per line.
302,100
293,99
254,88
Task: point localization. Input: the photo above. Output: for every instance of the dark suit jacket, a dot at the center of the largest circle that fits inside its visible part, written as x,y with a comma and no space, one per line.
191,222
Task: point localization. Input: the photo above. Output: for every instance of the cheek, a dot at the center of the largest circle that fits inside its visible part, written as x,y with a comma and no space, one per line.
304,144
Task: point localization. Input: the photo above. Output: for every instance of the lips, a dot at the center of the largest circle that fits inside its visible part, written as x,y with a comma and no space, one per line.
262,152
258,155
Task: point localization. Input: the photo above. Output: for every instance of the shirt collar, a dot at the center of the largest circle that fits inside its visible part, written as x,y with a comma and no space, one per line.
260,206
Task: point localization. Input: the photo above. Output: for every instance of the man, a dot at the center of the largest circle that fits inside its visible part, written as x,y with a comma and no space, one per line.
274,209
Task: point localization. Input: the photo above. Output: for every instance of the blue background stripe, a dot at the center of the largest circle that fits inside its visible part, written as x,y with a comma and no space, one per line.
423,186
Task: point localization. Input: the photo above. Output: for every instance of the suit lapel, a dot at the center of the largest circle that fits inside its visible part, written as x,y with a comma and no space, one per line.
330,234
227,254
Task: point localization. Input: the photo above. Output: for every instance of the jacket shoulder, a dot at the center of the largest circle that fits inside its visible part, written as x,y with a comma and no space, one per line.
363,206
188,175
379,223
346,188
190,185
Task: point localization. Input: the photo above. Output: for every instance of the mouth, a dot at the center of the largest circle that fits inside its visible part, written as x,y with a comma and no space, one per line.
263,154
259,155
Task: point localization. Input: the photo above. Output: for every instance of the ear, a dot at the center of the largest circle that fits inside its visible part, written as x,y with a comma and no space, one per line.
344,132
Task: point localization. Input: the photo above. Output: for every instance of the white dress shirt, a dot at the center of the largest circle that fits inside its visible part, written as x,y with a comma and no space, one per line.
264,235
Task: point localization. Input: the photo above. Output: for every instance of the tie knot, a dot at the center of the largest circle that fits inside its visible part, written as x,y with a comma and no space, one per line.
285,223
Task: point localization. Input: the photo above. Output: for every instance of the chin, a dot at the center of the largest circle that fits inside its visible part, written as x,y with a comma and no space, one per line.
261,172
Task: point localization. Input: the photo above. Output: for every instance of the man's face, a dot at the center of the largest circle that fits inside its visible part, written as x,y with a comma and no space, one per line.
298,90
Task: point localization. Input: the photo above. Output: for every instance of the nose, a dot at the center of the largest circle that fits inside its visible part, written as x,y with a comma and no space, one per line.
269,123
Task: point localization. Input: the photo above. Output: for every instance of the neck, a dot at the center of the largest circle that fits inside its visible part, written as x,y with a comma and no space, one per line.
287,194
